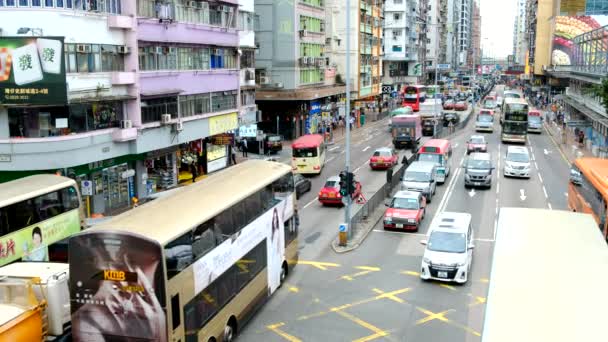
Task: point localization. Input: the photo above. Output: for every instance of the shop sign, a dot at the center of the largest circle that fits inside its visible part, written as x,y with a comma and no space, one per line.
86,188
222,139
248,131
127,174
315,107
223,123
32,71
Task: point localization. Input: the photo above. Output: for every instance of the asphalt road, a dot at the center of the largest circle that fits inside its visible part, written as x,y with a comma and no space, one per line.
374,292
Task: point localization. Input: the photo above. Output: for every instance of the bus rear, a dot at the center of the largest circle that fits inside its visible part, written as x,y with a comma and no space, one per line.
514,121
308,154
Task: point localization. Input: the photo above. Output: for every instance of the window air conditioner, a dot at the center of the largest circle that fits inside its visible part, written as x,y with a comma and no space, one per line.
123,49
264,80
178,126
83,48
165,119
125,124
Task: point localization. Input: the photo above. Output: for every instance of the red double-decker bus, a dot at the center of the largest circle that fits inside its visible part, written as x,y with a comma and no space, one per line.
413,96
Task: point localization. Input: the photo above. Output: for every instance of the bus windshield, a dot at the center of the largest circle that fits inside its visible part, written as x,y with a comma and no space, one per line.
307,152
511,127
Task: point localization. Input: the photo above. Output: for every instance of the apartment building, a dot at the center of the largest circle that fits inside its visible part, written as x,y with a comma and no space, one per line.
464,30
134,96
400,43
474,53
538,38
519,34
298,83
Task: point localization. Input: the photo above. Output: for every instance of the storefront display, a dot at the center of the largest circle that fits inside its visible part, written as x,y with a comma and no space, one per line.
162,172
217,157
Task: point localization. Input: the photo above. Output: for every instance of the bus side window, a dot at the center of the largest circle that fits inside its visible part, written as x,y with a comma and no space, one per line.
69,197
4,228
175,311
178,254
203,239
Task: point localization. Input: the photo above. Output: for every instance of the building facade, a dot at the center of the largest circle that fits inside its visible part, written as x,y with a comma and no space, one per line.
151,89
474,54
519,34
538,38
400,43
464,30
298,83
452,29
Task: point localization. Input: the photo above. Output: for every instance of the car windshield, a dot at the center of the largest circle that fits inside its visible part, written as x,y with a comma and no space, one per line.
405,203
297,178
447,242
489,104
331,184
518,157
435,158
305,152
485,118
382,154
416,176
477,140
479,164
534,119
274,138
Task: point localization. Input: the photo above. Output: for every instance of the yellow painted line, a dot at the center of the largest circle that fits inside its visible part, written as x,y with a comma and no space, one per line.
391,295
478,300
412,273
365,270
320,265
432,315
484,280
368,268
294,289
275,328
449,287
377,331
465,328
315,315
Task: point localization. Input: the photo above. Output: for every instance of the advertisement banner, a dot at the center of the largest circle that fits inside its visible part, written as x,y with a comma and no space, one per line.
567,26
31,243
32,71
223,123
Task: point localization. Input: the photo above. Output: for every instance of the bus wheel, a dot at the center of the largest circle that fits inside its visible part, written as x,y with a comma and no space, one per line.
230,330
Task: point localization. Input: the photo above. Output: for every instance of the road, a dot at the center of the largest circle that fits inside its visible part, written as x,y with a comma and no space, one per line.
374,293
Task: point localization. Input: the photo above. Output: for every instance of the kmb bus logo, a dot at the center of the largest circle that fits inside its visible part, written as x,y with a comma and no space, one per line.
114,275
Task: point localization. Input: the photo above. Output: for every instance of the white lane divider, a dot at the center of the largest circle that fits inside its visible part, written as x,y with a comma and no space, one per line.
334,148
309,203
536,166
357,169
330,159
545,192
550,207
497,187
540,177
367,148
449,189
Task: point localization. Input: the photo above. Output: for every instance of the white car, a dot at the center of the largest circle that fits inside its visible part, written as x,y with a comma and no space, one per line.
449,248
517,162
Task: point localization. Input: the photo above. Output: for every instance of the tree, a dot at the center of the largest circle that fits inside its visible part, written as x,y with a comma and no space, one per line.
603,93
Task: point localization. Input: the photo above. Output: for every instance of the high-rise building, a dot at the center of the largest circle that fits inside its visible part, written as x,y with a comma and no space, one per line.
140,97
400,42
538,34
453,27
297,80
248,114
519,34
474,55
464,30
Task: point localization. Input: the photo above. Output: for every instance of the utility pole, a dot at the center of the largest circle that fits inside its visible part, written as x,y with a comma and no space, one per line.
348,114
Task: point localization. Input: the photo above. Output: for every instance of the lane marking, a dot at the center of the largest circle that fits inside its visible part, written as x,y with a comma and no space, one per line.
399,233
485,240
497,187
449,190
533,158
367,148
411,273
330,159
357,169
540,177
495,228
343,151
377,331
545,192
550,207
334,148
536,165
320,265
275,328
309,203
365,270
432,315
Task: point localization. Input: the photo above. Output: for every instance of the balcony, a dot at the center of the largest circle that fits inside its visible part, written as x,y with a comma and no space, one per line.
124,134
190,82
122,78
121,22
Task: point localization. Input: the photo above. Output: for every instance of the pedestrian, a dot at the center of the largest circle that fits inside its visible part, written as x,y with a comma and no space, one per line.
194,171
244,144
351,121
581,138
233,154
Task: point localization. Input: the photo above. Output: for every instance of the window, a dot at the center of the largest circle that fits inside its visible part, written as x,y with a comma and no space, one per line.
223,100
311,24
93,58
175,318
397,33
152,109
396,16
397,48
195,104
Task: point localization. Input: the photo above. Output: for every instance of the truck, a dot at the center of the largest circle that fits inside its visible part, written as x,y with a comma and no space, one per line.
431,109
34,302
406,131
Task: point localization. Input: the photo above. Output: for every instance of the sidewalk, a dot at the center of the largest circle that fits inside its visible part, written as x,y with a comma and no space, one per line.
567,143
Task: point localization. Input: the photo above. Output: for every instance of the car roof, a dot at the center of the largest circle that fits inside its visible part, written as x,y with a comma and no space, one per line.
384,149
424,166
333,179
480,156
517,149
478,136
451,222
407,194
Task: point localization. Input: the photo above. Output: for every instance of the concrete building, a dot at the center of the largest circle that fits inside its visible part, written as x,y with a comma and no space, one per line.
248,113
400,43
465,11
519,34
452,25
296,77
151,88
474,54
538,38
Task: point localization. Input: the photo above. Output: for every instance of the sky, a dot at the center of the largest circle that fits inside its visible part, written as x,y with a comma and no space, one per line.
497,19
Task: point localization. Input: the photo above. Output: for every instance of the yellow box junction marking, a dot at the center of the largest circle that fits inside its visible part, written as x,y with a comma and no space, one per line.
449,287
365,270
411,273
320,265
275,328
391,295
377,332
432,315
478,300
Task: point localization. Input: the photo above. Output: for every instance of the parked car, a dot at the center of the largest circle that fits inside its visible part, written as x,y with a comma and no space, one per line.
461,105
477,143
302,184
330,192
448,105
383,158
273,143
405,211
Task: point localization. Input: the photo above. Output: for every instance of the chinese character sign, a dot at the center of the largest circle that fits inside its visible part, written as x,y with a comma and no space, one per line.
32,71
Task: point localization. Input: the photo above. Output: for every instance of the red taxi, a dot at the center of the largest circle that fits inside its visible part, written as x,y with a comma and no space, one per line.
461,105
448,105
477,143
405,211
383,158
330,192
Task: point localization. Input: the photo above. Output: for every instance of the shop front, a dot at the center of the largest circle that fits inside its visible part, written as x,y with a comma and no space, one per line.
313,119
160,170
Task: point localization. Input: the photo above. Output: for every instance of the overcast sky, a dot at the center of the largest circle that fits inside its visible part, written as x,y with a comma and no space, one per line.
497,19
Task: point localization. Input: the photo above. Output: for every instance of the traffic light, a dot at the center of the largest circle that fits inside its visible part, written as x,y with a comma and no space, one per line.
343,184
350,181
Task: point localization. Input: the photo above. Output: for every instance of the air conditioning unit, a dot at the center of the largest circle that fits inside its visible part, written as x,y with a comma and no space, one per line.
264,80
83,48
165,119
159,50
178,126
125,124
249,75
123,49
320,62
278,85
192,4
303,33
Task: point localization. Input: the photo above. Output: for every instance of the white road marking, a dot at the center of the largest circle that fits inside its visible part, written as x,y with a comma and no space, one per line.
455,145
550,207
545,191
540,177
367,148
330,159
400,233
497,188
309,203
522,194
449,190
485,240
343,151
495,227
334,148
533,157
357,169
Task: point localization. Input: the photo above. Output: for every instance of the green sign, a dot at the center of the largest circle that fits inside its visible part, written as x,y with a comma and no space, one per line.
31,243
32,71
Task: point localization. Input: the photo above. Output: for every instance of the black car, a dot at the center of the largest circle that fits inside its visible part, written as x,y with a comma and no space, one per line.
302,184
273,143
450,117
428,128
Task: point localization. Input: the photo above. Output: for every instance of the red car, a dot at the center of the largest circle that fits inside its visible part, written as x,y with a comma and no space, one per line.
405,211
477,143
461,105
330,192
383,158
448,105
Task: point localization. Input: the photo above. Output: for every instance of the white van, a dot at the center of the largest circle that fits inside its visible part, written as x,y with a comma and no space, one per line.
517,162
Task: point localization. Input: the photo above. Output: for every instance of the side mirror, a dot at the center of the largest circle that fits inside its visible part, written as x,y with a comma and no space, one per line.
471,246
423,242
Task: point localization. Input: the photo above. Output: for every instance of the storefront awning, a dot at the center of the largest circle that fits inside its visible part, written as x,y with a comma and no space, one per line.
161,92
303,94
101,99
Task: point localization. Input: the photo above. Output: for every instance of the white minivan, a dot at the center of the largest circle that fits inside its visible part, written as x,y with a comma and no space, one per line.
449,248
517,162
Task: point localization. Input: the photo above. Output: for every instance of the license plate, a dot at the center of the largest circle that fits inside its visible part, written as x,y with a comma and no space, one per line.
442,274
399,225
477,183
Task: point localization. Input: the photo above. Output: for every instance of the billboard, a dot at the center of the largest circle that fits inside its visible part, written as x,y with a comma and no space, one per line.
576,17
32,71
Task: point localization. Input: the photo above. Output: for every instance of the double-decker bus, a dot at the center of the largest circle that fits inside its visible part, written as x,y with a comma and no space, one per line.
532,246
414,95
191,266
514,120
36,214
588,189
